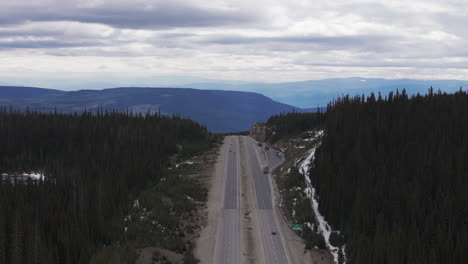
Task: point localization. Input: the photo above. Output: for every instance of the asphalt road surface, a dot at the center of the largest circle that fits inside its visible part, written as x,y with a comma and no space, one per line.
227,249
271,236
228,241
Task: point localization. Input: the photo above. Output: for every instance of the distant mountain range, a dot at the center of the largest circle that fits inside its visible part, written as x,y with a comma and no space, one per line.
310,94
304,94
216,107
220,111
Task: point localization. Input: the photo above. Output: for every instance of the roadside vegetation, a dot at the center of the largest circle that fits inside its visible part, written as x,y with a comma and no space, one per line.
294,134
163,218
293,125
107,182
295,203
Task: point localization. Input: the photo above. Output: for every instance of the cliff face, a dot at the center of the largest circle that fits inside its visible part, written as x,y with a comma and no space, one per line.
260,132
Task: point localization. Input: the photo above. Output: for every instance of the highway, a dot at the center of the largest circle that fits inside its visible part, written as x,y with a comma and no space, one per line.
228,241
273,244
228,238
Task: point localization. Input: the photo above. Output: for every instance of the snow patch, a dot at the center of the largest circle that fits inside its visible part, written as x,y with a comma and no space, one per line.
35,176
293,210
304,166
323,226
188,162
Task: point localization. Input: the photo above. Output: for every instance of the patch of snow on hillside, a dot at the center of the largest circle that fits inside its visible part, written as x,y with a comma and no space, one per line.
294,211
305,164
32,175
188,162
323,227
343,253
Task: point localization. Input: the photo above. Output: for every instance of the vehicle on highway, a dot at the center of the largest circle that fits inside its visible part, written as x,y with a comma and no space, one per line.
266,170
279,154
259,144
273,232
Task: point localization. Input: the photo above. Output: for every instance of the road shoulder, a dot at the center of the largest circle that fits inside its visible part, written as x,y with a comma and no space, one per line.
205,244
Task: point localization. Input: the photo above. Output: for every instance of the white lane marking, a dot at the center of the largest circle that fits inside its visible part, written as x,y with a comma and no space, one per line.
237,173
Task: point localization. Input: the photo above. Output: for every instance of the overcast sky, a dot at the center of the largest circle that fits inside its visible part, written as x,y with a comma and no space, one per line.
260,40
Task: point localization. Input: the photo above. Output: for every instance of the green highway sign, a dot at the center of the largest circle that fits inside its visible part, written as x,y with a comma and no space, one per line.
297,227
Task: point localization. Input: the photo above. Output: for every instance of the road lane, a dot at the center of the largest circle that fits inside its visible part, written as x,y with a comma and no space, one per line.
227,248
231,193
273,245
228,242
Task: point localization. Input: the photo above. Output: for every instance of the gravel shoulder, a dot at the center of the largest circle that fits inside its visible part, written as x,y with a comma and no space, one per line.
205,244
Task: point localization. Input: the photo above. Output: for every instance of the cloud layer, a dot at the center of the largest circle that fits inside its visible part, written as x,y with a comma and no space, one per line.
262,40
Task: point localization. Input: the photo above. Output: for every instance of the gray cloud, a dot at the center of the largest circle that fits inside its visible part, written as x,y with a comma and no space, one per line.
45,44
29,33
375,43
166,15
237,39
381,64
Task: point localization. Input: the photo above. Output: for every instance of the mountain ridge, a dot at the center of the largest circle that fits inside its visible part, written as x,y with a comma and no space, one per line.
313,93
303,94
219,110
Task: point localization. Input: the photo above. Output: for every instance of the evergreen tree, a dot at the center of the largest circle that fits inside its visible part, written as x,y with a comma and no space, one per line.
93,164
391,174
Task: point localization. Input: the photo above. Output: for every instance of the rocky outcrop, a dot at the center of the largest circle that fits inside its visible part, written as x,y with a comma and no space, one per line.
260,132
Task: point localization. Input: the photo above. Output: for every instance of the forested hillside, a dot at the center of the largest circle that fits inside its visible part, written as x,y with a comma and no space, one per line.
392,175
291,124
94,165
